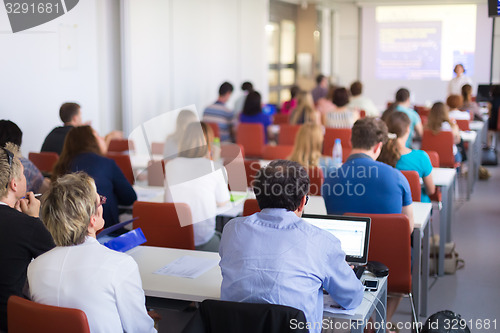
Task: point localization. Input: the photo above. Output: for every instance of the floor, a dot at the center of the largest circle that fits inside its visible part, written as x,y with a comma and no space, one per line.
474,291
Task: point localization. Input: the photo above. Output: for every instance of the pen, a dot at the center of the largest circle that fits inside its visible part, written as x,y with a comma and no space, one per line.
36,195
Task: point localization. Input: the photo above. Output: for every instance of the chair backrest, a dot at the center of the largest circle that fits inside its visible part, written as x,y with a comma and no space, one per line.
120,145
123,162
157,148
231,151
442,143
463,124
414,181
344,134
362,114
160,223
287,134
44,161
232,158
423,111
316,178
281,152
251,137
26,316
434,157
251,206
281,118
215,129
251,169
390,245
156,173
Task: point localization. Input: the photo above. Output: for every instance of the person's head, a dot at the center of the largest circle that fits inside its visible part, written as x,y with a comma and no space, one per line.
398,126
459,69
253,104
356,88
402,96
282,184
368,135
340,97
320,79
308,145
81,139
454,101
10,132
247,86
304,108
467,93
196,140
294,90
12,179
72,209
437,116
225,91
70,114
184,118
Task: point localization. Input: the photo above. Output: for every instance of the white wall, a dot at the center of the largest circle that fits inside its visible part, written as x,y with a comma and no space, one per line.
34,85
178,52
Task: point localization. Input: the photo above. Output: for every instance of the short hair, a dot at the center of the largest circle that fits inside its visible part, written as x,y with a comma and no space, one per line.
247,86
356,88
67,208
368,132
454,101
253,104
9,171
225,88
340,97
402,95
68,111
294,90
196,140
10,132
281,184
319,78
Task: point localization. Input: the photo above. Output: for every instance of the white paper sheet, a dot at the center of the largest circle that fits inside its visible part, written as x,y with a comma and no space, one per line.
329,305
188,267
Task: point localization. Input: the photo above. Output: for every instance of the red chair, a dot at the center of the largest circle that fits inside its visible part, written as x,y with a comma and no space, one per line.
463,124
344,134
123,162
157,148
156,173
44,161
423,111
230,151
251,206
281,118
251,137
251,169
215,129
316,178
414,181
232,158
26,316
442,143
161,224
280,152
120,145
362,114
434,157
287,134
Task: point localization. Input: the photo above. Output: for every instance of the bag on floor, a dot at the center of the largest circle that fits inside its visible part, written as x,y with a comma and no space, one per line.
452,262
489,156
445,322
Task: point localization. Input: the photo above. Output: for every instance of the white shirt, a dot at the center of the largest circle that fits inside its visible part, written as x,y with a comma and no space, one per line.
201,184
105,284
456,84
361,102
460,115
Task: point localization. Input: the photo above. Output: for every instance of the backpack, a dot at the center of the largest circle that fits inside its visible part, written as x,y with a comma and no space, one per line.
445,322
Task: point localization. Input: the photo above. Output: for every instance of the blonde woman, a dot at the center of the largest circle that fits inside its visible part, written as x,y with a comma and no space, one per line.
80,273
439,120
308,148
184,118
304,112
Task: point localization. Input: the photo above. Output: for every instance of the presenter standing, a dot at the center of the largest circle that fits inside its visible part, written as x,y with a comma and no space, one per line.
456,84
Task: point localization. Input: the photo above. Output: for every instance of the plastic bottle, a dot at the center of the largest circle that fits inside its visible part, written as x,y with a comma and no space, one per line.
216,149
337,154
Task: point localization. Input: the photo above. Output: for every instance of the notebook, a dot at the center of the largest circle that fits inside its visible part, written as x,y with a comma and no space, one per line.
352,232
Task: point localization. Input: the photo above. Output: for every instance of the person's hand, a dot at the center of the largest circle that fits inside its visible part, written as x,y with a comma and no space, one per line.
29,205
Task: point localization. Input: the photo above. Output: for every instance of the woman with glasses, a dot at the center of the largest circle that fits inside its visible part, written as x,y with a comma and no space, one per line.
81,273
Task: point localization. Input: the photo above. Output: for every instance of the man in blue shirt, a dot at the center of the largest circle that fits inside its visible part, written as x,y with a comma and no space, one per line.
276,257
220,114
403,105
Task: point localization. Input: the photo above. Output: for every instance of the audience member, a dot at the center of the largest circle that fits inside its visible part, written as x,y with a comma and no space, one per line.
276,257
289,105
469,105
495,109
304,112
184,118
83,151
22,235
403,105
194,179
308,148
396,154
35,182
326,105
440,121
321,88
80,273
361,102
252,112
246,87
342,116
219,113
454,102
456,84
71,116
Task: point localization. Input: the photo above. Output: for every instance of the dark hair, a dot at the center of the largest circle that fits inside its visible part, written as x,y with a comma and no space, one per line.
368,132
281,184
294,90
402,95
319,78
356,88
10,132
495,91
247,86
253,104
466,93
397,123
225,88
340,97
455,68
68,111
454,101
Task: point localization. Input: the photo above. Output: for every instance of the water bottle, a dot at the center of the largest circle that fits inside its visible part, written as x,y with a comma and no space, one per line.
216,149
337,154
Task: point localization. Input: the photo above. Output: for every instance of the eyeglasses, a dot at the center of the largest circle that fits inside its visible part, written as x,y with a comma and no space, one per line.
10,158
102,200
307,199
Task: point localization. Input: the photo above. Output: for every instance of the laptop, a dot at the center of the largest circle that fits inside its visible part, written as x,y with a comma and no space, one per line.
352,232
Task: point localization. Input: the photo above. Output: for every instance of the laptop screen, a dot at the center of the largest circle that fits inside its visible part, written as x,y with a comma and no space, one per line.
352,232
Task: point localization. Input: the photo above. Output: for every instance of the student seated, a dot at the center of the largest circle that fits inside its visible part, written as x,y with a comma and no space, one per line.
304,112
219,113
342,116
454,102
252,112
80,273
402,104
276,257
308,148
396,154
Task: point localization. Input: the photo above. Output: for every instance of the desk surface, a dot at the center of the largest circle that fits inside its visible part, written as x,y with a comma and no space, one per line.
443,176
468,136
